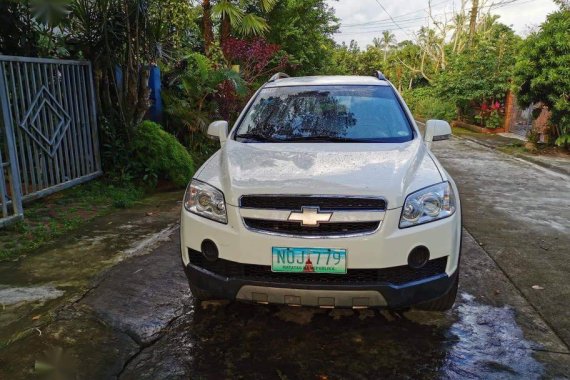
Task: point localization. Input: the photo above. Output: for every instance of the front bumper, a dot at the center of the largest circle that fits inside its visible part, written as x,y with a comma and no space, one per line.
379,295
241,271
388,247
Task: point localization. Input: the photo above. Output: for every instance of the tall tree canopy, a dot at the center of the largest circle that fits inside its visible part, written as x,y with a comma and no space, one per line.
482,72
241,15
304,29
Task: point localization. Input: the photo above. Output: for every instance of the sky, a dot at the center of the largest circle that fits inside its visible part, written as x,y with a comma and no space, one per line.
362,20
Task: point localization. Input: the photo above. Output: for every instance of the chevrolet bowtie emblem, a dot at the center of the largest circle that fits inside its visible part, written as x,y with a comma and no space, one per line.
310,216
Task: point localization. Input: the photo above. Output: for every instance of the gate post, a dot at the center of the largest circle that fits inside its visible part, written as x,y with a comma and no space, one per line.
12,157
509,102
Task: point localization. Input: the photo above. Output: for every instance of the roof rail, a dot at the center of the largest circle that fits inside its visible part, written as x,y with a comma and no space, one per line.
278,76
378,74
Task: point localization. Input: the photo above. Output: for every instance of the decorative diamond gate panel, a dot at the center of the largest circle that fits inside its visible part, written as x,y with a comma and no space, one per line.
49,133
47,138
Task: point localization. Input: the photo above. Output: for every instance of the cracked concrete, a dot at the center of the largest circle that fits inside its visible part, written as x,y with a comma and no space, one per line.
149,283
72,266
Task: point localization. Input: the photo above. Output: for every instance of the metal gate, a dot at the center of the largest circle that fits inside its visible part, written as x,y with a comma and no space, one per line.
521,120
48,135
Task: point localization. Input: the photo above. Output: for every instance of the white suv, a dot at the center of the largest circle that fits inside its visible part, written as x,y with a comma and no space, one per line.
324,194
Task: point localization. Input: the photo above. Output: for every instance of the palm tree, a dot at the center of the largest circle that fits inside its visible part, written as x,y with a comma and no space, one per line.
377,42
388,40
233,15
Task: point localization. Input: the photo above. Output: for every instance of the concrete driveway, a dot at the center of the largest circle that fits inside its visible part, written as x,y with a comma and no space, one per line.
138,320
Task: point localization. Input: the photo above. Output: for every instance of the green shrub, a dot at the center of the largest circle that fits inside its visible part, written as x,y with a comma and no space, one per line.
425,104
156,154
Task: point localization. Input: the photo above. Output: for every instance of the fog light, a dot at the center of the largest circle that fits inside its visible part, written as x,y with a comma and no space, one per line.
209,250
418,257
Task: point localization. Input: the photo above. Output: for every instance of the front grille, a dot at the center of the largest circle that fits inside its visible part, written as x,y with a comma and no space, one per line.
323,229
395,275
296,202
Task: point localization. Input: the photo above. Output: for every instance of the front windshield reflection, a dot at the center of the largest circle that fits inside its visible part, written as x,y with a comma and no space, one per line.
351,113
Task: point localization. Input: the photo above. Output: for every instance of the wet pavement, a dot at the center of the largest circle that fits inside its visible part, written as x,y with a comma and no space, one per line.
520,214
481,338
126,311
140,322
36,291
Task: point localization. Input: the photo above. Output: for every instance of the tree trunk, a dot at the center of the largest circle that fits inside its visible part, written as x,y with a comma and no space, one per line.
473,20
225,29
207,31
456,38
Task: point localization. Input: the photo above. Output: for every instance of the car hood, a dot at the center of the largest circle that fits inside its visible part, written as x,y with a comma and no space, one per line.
387,170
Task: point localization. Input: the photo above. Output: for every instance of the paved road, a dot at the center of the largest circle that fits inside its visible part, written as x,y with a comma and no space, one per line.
139,321
520,214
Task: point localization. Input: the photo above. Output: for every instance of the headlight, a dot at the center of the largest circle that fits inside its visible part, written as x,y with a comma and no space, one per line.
429,204
205,200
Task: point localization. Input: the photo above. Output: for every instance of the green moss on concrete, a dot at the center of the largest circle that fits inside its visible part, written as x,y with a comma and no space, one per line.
62,212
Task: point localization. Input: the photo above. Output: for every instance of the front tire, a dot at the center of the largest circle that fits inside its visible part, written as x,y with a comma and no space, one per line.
445,302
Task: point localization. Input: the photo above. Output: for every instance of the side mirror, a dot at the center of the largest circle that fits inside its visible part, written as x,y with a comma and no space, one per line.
437,130
219,129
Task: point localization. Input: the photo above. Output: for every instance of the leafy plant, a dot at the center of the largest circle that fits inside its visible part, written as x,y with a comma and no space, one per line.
17,33
156,154
481,72
490,116
233,14
494,120
304,30
532,136
191,93
563,140
424,103
542,73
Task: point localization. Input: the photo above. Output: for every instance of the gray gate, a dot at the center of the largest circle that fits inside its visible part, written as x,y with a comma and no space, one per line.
48,136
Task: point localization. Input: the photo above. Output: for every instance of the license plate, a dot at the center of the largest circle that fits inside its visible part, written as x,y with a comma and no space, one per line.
308,260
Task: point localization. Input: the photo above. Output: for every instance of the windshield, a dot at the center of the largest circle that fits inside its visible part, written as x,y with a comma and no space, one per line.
325,113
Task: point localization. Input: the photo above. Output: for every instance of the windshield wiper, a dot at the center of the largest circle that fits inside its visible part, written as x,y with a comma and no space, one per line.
255,137
314,138
323,138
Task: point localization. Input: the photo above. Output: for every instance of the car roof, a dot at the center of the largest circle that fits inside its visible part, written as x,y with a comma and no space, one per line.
328,80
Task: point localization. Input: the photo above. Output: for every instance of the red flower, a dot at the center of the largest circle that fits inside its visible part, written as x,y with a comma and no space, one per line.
255,57
484,107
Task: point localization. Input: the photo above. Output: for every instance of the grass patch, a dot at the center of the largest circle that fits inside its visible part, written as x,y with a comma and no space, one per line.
464,132
513,149
62,212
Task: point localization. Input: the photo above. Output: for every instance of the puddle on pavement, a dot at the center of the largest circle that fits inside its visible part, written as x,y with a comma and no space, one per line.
18,302
233,340
14,295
